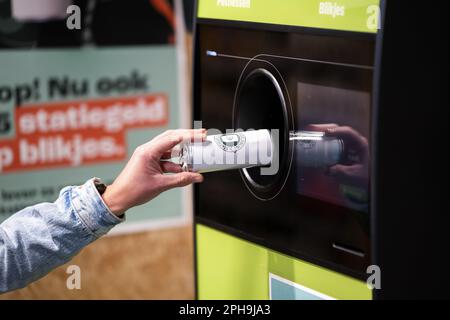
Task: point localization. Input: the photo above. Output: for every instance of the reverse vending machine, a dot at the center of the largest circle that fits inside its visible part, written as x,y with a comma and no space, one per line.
310,70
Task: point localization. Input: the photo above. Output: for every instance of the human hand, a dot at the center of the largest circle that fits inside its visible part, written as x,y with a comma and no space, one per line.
355,169
144,177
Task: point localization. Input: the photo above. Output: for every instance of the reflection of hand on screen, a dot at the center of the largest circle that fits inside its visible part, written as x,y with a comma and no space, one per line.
355,168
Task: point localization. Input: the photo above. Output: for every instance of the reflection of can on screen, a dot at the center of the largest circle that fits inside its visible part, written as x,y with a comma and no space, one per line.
228,151
316,150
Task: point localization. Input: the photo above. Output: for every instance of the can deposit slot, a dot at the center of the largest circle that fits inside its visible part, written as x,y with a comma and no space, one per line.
261,102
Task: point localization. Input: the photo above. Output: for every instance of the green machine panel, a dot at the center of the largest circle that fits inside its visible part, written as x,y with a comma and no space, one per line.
347,15
231,268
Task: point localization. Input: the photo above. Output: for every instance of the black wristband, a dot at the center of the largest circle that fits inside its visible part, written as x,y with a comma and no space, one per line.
101,187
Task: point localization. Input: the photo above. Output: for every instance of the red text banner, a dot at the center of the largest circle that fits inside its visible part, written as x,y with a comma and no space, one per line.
71,134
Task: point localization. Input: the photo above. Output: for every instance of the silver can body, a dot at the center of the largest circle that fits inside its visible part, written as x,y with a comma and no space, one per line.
316,150
228,152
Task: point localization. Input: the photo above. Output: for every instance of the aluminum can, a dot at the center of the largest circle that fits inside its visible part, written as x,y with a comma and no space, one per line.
231,151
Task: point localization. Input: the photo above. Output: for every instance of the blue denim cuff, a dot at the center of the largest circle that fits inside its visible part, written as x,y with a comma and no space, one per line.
92,210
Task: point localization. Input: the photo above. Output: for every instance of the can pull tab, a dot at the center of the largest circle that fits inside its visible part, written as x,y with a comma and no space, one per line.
175,156
186,157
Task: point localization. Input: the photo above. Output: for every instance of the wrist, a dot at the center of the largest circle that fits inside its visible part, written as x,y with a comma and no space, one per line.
113,201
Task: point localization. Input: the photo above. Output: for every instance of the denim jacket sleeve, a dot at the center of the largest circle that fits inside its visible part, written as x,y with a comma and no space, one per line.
40,238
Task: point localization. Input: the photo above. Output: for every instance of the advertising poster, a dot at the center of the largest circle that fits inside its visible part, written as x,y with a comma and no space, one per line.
75,103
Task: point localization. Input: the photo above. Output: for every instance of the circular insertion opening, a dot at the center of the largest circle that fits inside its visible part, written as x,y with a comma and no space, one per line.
260,104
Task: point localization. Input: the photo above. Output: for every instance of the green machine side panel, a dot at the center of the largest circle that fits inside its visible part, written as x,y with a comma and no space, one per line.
347,15
230,268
